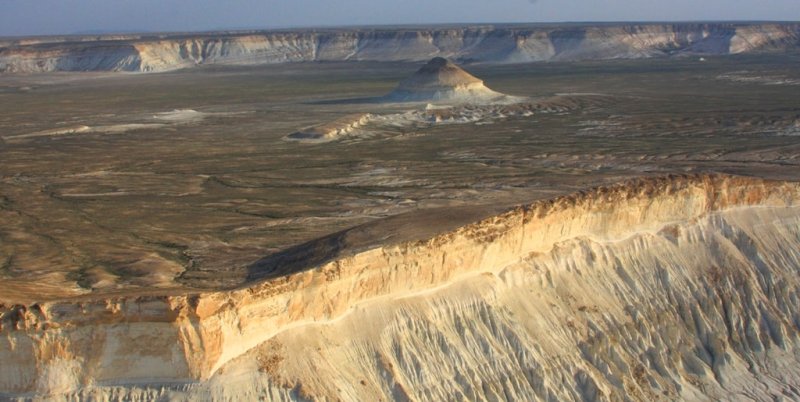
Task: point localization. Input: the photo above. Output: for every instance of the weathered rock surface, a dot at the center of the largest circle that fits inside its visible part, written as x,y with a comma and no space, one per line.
333,130
498,44
442,80
683,287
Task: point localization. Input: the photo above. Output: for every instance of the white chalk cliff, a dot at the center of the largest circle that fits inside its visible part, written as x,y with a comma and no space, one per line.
494,44
680,287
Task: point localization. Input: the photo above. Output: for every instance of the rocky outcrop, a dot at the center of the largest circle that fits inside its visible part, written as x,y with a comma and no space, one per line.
442,80
661,288
496,44
333,130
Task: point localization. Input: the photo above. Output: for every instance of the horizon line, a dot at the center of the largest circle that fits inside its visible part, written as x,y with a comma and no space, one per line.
240,30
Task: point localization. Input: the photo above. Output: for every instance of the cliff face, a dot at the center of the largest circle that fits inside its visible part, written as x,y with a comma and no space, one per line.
678,287
481,44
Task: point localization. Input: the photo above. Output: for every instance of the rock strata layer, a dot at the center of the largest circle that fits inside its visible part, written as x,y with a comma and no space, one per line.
493,44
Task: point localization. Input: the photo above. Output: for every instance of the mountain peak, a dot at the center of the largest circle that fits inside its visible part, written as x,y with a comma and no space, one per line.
441,79
440,72
437,64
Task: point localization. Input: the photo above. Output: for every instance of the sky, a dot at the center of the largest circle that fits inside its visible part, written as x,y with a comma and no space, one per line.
47,17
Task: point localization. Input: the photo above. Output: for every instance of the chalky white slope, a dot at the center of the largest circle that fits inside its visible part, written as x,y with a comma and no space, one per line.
683,287
492,44
442,80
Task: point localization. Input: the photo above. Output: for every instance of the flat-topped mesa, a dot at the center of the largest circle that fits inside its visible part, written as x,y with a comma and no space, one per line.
443,80
486,44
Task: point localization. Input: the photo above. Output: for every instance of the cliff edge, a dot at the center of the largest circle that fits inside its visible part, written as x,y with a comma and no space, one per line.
485,44
679,287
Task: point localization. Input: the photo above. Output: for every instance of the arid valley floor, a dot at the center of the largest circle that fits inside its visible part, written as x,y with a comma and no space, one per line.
194,200
123,191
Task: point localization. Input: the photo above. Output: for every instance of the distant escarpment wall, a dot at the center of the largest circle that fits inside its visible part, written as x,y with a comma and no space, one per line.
59,347
494,44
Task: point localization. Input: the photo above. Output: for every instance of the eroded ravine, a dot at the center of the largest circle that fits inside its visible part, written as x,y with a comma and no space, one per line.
674,287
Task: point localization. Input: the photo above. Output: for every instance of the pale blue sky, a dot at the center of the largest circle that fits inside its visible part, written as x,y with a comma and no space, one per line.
36,17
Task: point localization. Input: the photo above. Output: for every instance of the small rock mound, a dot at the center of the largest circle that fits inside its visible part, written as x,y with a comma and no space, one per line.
332,130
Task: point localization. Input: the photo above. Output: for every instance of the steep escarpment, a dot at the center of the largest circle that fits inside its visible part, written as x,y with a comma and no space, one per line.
497,44
660,288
